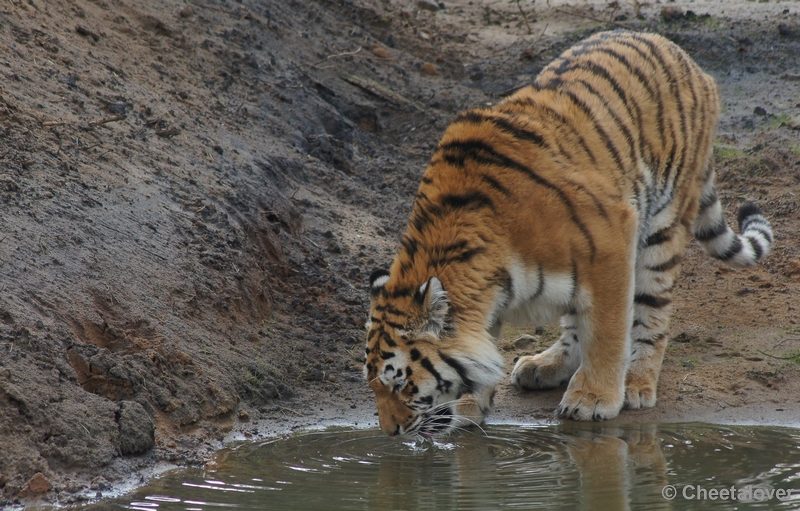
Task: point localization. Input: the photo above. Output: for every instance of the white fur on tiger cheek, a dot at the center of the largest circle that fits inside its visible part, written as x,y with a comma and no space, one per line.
393,373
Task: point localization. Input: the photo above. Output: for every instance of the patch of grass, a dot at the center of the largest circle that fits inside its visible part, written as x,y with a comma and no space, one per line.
794,148
710,21
725,153
778,120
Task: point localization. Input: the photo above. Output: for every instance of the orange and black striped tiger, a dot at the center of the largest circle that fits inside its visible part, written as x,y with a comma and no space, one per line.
573,198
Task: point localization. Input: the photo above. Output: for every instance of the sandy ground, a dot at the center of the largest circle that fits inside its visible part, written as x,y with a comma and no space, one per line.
193,194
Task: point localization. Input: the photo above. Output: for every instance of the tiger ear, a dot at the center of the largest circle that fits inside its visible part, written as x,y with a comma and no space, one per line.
432,297
377,280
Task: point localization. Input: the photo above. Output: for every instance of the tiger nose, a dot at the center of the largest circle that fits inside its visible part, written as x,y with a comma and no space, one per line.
392,432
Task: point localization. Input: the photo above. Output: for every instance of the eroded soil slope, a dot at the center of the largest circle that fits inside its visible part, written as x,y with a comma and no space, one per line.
193,194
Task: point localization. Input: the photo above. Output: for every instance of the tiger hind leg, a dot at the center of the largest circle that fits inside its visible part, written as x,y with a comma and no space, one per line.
658,265
554,366
652,309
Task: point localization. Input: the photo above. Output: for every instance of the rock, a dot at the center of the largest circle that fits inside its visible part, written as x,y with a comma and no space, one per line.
426,5
429,69
36,486
244,416
671,13
524,342
136,429
759,111
186,12
86,32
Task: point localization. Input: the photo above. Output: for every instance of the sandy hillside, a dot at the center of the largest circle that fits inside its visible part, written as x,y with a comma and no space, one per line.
192,195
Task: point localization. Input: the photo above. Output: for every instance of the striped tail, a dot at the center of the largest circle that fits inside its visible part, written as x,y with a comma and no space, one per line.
720,242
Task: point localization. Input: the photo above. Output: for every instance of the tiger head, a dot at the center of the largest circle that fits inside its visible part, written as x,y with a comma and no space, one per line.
430,375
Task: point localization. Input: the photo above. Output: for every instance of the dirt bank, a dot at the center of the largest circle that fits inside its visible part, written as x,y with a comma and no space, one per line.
192,196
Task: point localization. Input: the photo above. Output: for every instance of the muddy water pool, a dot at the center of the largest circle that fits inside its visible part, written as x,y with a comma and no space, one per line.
566,466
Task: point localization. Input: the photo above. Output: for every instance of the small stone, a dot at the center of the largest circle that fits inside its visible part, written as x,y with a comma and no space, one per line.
671,13
426,5
429,69
219,149
759,111
186,11
787,30
524,342
380,52
117,107
244,416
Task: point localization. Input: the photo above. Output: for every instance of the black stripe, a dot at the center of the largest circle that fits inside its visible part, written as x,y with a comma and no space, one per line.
390,310
764,232
540,285
427,180
597,203
463,257
421,218
658,100
401,292
659,237
651,341
475,117
386,355
757,248
396,326
673,86
574,279
672,263
707,202
415,354
442,385
479,151
495,184
410,245
597,128
652,301
468,385
562,121
598,70
733,249
385,337
709,233
473,200
619,122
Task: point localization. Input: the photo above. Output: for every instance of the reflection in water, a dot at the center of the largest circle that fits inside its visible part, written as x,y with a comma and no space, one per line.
568,466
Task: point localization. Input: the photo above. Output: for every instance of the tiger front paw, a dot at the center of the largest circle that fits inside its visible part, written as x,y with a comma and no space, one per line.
585,401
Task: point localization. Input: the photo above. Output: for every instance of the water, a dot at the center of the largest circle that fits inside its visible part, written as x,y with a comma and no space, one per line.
568,466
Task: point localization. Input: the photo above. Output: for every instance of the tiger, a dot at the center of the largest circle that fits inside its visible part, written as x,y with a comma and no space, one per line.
573,198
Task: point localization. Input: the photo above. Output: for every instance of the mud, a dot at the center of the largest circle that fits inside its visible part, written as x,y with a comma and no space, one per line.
193,194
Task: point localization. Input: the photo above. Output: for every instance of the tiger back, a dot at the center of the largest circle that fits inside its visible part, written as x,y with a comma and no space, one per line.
573,198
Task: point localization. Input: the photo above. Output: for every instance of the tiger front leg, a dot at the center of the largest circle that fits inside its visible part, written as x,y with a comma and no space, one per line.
597,389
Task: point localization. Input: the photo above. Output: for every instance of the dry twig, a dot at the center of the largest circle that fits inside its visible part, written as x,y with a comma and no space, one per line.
337,55
524,17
